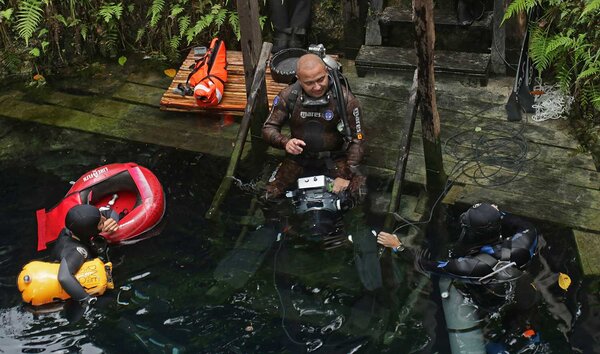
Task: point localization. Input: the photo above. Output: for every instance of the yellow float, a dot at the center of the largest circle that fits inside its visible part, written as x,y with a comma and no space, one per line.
38,281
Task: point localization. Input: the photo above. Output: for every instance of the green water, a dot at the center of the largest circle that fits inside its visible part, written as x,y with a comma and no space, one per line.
295,297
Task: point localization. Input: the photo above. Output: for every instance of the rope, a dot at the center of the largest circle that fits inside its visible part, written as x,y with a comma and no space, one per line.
550,103
488,159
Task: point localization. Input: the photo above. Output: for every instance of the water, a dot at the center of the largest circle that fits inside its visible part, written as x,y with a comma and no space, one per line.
173,293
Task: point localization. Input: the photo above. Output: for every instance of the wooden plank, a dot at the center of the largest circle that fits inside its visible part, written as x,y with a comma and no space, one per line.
403,59
532,206
588,247
498,65
392,14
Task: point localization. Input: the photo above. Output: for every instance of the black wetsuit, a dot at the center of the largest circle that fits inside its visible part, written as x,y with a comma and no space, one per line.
480,266
72,253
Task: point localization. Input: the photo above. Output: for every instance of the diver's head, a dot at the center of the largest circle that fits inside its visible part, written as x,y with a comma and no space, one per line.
481,225
84,221
312,75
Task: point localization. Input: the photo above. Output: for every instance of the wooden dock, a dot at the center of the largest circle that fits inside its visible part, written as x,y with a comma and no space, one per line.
554,183
234,95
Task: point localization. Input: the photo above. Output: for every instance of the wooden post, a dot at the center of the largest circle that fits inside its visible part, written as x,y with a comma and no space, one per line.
405,141
430,119
498,40
373,35
430,122
256,91
251,43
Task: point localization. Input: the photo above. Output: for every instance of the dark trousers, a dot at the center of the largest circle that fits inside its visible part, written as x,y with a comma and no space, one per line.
291,14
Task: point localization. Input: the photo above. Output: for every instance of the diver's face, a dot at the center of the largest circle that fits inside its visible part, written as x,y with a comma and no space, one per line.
314,80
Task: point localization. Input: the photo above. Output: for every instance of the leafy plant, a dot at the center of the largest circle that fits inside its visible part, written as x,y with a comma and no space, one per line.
29,16
565,45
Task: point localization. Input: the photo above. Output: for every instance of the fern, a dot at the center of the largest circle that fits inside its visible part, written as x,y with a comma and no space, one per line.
175,11
220,17
184,24
590,71
174,42
518,6
110,11
155,10
29,16
537,49
234,22
140,33
594,5
558,41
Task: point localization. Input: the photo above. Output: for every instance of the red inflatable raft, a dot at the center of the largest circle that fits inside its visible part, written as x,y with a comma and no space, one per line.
140,200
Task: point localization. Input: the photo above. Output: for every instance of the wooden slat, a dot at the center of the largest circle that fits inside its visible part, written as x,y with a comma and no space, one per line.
234,96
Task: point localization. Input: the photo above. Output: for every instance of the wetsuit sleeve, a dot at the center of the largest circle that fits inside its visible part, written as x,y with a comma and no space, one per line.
69,265
524,238
464,268
357,136
271,130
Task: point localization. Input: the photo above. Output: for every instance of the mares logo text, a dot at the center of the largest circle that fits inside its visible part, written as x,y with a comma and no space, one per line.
309,114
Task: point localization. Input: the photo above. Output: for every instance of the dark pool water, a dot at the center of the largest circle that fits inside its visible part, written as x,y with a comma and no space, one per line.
171,295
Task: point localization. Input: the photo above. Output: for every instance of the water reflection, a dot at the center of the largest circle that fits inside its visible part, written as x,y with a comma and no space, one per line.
192,289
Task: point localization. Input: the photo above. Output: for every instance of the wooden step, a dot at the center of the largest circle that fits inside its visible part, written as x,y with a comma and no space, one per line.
373,59
397,30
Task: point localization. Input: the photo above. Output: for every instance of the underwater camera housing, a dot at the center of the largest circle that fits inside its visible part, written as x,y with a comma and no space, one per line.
320,208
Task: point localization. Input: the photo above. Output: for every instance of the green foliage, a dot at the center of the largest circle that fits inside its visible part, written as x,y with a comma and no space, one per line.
29,16
50,33
111,11
565,46
155,11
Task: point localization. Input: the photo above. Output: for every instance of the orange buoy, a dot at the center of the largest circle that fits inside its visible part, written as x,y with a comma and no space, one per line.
38,281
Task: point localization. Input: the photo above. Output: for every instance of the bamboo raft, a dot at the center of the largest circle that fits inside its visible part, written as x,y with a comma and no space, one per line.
234,97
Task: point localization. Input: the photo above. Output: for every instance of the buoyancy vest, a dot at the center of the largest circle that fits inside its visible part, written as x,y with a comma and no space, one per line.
209,75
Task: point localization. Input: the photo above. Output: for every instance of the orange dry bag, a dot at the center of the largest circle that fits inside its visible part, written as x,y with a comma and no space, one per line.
38,281
209,75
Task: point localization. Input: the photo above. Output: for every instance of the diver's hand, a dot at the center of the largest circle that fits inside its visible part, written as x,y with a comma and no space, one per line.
110,225
295,146
388,240
340,185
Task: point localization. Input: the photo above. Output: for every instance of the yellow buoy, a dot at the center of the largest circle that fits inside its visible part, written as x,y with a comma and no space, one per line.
38,281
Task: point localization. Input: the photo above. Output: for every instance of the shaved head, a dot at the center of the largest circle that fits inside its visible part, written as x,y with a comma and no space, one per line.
312,75
309,62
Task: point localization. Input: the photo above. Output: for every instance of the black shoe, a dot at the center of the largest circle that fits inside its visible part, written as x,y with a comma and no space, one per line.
298,38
